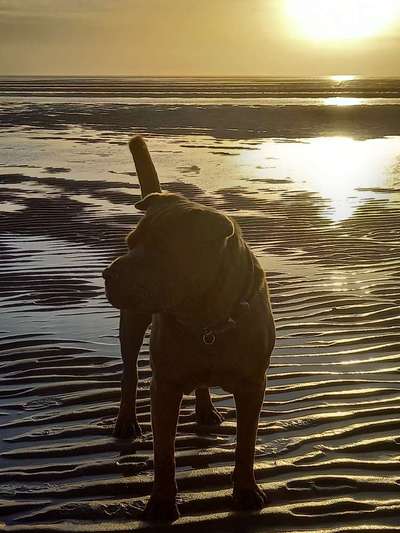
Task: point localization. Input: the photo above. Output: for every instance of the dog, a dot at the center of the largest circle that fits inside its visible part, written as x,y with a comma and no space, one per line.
189,272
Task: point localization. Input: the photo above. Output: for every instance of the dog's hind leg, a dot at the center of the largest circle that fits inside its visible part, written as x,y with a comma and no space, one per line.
247,495
206,413
132,328
165,403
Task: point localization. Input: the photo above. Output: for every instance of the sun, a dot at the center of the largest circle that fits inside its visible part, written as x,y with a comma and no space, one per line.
341,20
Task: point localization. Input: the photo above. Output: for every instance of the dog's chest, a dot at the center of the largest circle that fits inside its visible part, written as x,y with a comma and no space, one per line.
182,358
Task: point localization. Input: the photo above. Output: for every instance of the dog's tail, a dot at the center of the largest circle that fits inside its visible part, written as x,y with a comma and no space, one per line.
145,169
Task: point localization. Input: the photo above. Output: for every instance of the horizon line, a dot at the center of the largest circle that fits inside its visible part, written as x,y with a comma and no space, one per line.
289,76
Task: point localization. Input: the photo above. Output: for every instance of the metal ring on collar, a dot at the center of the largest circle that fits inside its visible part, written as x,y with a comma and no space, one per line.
208,337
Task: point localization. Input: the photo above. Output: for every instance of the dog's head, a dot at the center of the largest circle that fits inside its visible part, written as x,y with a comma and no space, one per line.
173,255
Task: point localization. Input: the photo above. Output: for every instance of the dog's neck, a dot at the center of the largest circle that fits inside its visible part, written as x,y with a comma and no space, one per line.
236,281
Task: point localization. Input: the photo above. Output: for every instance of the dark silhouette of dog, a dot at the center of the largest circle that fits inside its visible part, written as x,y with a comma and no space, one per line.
190,274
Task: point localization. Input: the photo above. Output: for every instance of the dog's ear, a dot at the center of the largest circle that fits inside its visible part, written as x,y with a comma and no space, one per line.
209,225
147,201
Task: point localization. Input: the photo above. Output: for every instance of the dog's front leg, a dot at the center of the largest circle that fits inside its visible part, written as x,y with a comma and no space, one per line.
246,493
132,327
165,403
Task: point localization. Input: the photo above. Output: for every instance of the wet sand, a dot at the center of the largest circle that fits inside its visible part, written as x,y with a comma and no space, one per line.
329,435
222,121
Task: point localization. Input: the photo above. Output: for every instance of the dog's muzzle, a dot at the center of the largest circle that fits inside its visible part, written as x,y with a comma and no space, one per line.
111,285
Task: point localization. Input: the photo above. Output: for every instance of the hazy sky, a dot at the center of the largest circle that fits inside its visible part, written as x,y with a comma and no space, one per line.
181,37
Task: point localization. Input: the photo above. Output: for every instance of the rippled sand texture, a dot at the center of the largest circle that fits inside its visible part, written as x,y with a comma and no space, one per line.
328,445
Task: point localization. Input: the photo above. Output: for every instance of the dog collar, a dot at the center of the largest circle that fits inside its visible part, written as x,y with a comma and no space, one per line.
210,333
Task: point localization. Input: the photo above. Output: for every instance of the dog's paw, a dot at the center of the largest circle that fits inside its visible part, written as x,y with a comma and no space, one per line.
210,417
252,499
161,510
126,428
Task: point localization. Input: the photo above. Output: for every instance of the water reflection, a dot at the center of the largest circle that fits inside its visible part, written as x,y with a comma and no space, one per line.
342,77
343,170
343,101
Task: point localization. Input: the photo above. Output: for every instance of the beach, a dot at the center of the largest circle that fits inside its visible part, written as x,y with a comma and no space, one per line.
310,169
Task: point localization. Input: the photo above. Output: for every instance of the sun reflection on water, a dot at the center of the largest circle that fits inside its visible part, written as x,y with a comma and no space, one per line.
343,101
343,77
342,170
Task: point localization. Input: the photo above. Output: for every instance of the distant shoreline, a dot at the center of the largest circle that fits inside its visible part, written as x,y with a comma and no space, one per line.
194,77
206,88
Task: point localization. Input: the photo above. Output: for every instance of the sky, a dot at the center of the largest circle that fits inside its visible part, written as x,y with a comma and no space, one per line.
193,38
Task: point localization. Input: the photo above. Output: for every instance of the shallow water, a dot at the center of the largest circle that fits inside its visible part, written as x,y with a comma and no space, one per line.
322,214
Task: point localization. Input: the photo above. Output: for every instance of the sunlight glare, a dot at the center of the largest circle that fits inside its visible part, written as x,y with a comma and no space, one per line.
341,20
343,101
342,170
342,77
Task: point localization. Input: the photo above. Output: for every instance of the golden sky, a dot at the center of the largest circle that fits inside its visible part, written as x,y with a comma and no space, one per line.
200,37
